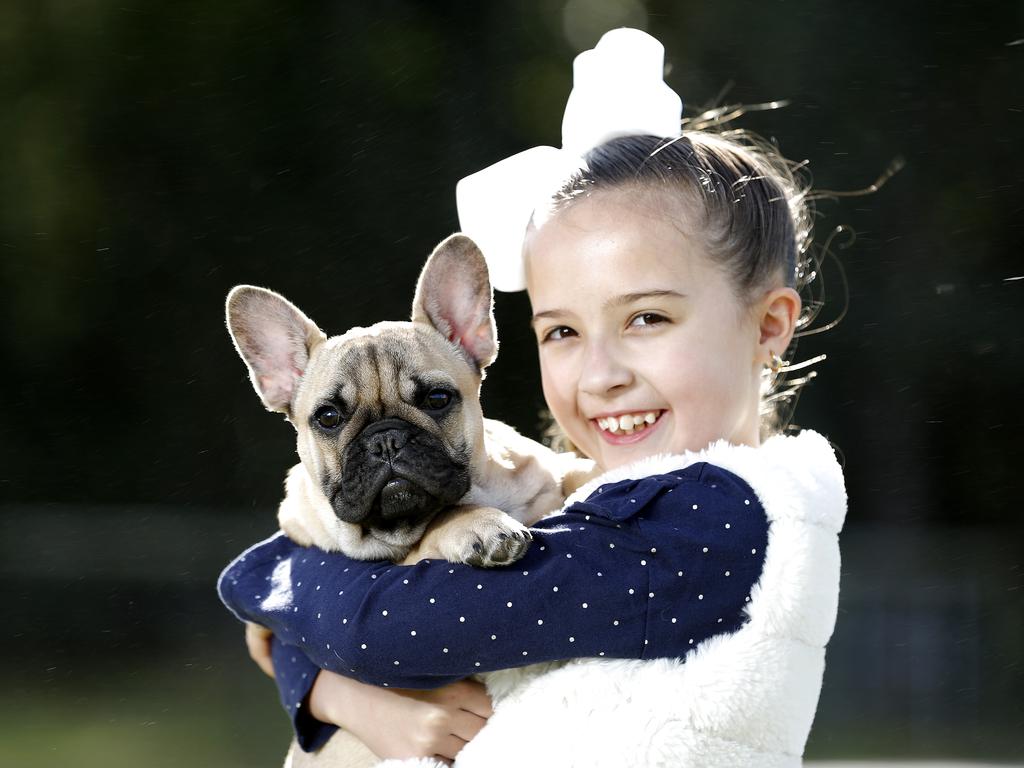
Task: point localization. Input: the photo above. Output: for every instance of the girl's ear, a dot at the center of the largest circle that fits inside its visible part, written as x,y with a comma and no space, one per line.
777,314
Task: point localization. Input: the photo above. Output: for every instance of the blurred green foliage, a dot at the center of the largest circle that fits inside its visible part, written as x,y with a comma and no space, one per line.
157,155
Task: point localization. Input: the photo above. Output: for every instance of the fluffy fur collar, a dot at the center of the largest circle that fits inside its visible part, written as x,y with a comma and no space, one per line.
741,700
794,476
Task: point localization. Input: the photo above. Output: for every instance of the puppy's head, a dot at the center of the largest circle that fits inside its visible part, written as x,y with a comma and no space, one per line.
388,417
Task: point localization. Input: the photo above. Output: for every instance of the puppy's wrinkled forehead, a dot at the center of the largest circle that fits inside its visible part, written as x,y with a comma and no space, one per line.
381,367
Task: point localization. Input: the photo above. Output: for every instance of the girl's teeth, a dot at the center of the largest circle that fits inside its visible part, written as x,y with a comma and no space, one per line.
627,424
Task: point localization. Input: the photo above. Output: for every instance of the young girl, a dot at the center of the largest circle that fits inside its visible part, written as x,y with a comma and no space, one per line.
694,583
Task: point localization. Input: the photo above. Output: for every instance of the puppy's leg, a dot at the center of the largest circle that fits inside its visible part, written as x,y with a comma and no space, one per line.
482,536
342,750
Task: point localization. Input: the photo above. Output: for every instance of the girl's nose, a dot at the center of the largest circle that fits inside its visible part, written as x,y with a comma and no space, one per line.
603,370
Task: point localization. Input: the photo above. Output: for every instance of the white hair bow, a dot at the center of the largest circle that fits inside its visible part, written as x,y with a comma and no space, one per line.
618,90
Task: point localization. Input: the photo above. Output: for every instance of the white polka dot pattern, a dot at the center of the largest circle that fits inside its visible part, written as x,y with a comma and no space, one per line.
632,572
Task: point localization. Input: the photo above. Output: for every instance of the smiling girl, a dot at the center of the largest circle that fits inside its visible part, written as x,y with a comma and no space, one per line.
653,350
693,584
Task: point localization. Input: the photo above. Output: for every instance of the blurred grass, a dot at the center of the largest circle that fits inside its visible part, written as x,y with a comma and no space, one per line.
225,714
217,715
872,740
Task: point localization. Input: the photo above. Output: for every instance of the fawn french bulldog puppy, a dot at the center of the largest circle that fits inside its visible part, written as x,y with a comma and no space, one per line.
397,460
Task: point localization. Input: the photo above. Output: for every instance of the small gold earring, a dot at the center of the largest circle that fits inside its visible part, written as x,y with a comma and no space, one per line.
777,363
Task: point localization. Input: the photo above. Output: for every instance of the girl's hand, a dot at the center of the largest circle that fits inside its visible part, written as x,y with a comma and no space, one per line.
399,722
257,640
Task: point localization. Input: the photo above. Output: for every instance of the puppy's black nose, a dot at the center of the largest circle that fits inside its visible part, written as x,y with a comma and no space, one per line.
386,444
385,438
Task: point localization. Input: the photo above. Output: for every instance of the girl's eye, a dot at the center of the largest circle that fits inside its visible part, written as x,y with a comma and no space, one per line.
327,416
648,318
559,333
437,399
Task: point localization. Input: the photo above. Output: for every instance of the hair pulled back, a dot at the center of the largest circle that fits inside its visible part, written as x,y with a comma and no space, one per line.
749,209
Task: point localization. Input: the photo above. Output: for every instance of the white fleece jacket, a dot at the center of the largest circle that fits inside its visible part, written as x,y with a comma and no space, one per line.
745,699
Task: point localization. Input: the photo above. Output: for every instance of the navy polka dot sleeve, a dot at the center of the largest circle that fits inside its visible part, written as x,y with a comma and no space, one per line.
295,674
642,569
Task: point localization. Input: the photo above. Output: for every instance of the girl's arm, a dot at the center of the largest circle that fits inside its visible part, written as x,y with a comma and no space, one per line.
643,569
391,722
403,723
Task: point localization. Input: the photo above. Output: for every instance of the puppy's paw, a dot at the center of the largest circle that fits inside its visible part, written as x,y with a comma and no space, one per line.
502,546
487,538
475,535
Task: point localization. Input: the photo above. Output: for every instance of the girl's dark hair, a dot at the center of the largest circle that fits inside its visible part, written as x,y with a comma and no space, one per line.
747,204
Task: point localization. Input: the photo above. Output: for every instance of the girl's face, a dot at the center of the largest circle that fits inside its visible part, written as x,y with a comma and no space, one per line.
644,347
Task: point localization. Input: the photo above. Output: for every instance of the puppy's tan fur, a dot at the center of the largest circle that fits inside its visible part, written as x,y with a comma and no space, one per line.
378,373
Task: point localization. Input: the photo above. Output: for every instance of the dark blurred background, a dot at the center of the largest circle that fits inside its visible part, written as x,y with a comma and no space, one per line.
155,154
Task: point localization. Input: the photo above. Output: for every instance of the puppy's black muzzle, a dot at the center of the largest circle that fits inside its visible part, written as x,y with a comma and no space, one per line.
396,472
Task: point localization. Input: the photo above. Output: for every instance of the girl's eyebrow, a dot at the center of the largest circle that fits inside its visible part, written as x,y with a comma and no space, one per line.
629,298
551,313
615,301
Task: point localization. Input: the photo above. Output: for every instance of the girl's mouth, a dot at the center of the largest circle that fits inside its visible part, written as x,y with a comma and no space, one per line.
627,427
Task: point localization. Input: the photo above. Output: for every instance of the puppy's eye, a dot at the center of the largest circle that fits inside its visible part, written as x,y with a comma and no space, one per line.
437,399
327,416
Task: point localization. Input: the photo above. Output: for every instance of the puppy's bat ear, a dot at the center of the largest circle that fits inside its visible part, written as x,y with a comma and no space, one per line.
454,296
274,339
